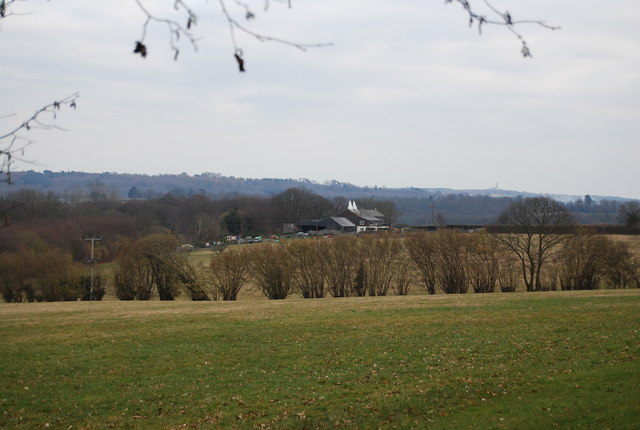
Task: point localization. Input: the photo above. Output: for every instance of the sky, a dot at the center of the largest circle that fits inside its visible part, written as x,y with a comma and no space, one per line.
406,95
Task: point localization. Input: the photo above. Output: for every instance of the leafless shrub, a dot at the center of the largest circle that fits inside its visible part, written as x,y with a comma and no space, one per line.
403,274
46,275
341,265
451,257
309,272
272,271
132,277
509,272
15,283
192,276
380,255
153,262
587,261
57,276
422,250
229,271
95,292
159,251
621,269
582,261
482,264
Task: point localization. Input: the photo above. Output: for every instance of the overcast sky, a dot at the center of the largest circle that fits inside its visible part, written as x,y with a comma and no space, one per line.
408,95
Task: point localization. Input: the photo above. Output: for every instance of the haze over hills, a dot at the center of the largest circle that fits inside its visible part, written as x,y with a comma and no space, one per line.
216,185
415,205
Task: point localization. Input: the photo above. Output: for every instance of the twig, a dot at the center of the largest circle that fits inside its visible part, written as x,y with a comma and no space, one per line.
174,27
505,19
235,25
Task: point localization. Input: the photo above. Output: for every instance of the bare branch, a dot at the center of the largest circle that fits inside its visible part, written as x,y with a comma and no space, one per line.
501,18
249,15
13,144
175,28
6,11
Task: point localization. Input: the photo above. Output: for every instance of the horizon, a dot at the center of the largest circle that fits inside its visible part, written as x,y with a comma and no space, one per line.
328,182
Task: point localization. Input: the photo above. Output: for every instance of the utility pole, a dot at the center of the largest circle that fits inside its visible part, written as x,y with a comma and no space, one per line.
433,214
91,261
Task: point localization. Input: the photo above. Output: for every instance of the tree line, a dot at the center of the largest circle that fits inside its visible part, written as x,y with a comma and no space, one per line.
536,254
196,219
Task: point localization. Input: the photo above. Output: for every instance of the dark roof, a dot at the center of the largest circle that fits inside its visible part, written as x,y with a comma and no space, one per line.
342,221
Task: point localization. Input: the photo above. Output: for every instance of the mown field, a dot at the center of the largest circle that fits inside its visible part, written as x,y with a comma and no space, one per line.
512,361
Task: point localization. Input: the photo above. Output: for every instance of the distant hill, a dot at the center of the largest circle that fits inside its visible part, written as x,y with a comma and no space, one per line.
416,205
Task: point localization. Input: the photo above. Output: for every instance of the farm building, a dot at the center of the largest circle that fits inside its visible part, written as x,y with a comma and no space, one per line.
351,220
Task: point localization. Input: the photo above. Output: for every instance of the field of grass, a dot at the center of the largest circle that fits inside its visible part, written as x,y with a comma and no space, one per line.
512,361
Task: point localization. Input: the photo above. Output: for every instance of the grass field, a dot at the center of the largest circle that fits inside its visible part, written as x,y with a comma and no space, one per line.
513,361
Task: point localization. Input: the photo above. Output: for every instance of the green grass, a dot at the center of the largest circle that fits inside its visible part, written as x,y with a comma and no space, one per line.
516,361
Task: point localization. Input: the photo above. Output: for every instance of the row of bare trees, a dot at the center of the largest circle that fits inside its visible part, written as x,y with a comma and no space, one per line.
450,261
535,246
341,267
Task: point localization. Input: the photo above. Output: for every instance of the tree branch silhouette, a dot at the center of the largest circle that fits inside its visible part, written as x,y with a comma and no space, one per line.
495,17
183,28
175,28
234,25
6,11
13,143
500,18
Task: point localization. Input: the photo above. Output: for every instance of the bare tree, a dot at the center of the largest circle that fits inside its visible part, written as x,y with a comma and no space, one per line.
629,214
296,204
534,227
